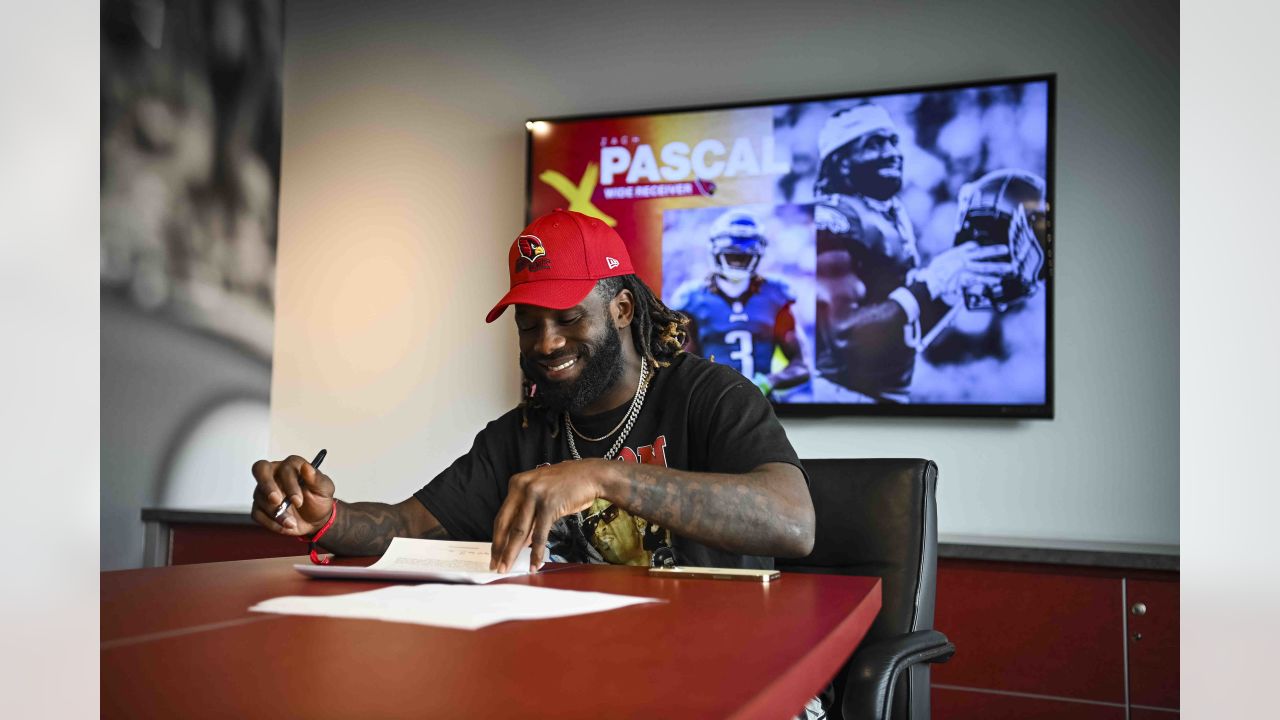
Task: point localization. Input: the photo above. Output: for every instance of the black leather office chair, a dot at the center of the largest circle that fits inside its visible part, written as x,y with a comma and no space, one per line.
878,517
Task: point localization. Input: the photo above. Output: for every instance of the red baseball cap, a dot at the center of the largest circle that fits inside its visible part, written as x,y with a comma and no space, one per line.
557,260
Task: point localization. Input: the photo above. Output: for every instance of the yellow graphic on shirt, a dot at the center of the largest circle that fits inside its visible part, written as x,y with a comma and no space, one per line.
623,538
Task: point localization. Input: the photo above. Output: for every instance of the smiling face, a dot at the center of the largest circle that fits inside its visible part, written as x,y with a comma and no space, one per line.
573,356
871,165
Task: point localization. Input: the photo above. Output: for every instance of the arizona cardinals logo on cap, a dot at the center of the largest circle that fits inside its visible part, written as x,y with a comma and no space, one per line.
533,255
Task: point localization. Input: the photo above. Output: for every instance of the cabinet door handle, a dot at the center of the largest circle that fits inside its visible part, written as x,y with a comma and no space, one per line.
1136,636
1139,609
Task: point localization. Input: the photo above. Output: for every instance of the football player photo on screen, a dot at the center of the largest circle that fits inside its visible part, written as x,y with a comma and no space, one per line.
930,214
743,275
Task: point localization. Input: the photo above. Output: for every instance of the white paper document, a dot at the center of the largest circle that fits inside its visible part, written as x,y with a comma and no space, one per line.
452,606
414,559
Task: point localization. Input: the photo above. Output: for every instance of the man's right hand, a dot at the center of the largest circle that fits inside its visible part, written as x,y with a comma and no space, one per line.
310,494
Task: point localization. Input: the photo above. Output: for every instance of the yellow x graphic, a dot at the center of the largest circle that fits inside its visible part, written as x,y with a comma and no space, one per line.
579,196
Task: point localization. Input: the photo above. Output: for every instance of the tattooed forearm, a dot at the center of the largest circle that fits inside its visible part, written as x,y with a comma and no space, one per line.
366,528
764,512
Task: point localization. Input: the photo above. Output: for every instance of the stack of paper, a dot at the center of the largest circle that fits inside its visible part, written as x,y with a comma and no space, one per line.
452,606
414,559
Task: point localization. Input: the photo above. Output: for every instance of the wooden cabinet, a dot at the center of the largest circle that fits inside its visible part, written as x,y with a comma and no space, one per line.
1139,713
201,543
183,537
1050,641
1049,634
950,702
1153,643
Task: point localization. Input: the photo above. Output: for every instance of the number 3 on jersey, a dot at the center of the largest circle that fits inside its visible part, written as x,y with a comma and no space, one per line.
744,353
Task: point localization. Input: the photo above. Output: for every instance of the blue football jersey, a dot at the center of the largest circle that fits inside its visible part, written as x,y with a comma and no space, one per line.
737,332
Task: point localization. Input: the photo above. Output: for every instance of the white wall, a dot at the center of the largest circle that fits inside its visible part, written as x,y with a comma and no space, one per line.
403,184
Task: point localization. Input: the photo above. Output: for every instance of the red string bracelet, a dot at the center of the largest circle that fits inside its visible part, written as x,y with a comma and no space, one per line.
315,558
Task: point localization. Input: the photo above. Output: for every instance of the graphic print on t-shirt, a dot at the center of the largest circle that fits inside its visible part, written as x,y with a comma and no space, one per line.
626,539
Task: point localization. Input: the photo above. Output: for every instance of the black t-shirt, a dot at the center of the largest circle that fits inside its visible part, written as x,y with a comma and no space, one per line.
697,415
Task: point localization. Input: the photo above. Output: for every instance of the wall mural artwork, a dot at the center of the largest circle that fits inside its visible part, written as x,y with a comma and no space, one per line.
191,162
190,151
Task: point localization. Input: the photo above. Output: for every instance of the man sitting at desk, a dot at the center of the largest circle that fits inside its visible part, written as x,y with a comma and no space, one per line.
707,476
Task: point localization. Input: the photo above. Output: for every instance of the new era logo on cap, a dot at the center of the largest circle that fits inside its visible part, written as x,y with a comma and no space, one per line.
558,259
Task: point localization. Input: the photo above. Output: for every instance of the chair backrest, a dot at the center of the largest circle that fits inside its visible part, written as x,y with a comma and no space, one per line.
878,517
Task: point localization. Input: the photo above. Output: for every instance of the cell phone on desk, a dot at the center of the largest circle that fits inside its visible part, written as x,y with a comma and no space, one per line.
713,573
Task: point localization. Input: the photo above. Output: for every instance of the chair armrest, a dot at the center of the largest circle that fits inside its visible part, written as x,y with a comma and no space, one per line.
874,670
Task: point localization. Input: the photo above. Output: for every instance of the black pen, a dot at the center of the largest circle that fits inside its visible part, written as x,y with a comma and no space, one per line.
284,506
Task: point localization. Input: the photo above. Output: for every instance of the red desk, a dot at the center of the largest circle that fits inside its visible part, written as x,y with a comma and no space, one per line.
180,642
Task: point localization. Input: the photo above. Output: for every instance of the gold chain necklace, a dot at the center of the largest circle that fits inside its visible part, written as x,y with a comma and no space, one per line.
637,402
615,429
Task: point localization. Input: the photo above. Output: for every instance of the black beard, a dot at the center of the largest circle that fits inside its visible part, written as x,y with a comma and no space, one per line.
601,371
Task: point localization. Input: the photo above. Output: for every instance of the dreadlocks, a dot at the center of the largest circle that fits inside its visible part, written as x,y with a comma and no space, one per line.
657,331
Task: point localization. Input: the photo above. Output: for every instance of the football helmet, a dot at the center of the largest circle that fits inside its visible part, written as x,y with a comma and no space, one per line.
1005,207
737,244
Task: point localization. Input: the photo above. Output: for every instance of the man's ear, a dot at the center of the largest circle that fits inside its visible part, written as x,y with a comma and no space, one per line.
622,308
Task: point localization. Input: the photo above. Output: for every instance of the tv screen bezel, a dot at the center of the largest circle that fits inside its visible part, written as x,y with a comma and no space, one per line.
1043,411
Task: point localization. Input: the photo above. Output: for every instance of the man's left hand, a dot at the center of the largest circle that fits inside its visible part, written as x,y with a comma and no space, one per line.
535,500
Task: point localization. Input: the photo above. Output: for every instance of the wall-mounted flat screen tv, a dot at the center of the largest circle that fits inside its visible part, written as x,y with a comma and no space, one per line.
875,253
